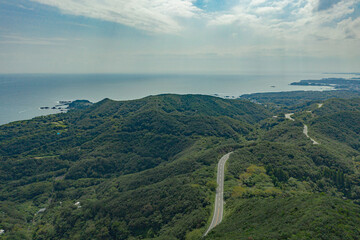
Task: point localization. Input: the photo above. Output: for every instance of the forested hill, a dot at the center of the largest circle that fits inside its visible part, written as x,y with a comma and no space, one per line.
146,169
139,168
287,99
283,186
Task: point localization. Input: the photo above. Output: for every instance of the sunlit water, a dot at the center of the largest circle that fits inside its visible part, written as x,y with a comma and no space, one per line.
21,96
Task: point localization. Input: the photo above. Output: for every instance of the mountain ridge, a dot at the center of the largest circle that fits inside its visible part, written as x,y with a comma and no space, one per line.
145,169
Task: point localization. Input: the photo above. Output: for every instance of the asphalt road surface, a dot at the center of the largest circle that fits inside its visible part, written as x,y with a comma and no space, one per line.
219,198
306,132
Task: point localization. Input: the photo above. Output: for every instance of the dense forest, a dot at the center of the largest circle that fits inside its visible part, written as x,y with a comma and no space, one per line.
146,169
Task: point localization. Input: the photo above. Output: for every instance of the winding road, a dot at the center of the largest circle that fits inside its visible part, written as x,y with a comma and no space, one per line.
306,129
219,198
306,132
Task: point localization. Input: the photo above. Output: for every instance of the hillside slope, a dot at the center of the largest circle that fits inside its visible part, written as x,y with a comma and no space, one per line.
285,187
146,169
139,168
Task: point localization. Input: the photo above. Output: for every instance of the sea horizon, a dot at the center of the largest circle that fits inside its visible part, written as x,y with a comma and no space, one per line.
23,94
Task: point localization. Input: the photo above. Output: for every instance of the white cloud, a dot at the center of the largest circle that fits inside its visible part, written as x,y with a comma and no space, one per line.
150,15
324,24
24,7
292,19
257,2
17,39
351,28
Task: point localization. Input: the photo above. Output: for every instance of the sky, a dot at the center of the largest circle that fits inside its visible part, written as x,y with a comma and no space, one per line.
179,36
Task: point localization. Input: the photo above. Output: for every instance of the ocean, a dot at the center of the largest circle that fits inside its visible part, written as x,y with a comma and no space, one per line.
22,95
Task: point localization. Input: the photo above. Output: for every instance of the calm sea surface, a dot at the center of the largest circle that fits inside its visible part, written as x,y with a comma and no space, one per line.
21,95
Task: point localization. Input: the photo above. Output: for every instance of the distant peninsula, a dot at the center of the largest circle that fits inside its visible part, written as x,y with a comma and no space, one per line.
336,83
64,106
79,104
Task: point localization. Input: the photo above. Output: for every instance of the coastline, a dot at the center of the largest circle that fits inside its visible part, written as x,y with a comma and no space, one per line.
22,96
